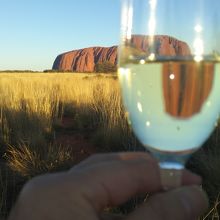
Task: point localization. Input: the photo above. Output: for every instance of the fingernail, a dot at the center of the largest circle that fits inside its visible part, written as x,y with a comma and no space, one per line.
197,179
190,178
194,200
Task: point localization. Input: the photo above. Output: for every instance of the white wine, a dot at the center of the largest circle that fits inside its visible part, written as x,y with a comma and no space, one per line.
173,106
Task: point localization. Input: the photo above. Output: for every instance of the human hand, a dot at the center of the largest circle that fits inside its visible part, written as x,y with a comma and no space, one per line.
109,180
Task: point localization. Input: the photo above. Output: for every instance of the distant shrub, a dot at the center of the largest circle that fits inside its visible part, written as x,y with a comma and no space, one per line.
57,71
50,71
19,71
105,67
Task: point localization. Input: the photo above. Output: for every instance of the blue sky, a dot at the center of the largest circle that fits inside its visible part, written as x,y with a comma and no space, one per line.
34,32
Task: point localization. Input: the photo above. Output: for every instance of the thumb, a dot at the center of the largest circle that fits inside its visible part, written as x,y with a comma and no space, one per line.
108,216
185,203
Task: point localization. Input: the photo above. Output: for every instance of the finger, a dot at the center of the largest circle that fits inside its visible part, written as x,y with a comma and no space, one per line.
107,216
99,158
114,182
188,177
181,204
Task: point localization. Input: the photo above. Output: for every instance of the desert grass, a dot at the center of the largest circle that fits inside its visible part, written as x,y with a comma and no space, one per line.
31,109
32,106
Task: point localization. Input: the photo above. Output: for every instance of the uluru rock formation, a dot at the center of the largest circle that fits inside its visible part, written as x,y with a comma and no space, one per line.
85,60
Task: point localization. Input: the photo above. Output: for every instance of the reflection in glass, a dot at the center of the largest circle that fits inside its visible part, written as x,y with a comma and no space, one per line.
186,87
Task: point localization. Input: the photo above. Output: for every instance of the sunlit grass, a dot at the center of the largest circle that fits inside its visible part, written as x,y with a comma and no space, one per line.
32,106
31,103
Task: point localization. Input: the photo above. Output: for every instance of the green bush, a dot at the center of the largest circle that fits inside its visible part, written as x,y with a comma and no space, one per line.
105,67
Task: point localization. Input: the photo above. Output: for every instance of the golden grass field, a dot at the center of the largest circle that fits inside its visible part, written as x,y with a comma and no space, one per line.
32,109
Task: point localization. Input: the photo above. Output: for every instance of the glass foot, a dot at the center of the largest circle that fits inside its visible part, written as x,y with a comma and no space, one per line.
171,175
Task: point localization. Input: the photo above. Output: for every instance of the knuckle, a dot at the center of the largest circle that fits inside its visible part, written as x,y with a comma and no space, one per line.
33,185
157,208
168,207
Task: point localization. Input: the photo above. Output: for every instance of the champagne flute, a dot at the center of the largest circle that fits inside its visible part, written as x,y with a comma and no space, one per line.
169,72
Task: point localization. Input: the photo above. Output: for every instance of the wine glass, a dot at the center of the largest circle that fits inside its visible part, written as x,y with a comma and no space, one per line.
169,72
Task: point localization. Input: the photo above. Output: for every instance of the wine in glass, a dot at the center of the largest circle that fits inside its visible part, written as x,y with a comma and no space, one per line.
169,71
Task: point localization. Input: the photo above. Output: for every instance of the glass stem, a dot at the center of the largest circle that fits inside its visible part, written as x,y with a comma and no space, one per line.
171,175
